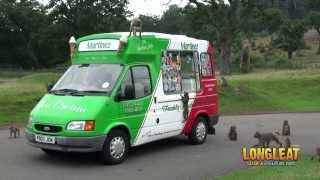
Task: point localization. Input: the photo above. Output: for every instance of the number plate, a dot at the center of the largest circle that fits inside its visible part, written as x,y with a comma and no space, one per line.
45,139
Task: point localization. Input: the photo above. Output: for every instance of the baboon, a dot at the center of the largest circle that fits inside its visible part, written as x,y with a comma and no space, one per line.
245,56
185,104
287,144
285,128
265,139
233,135
135,26
224,82
14,132
317,154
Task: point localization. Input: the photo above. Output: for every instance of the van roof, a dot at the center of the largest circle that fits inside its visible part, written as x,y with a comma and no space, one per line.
117,35
145,50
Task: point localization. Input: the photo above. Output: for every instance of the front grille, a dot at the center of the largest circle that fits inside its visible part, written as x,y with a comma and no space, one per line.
48,128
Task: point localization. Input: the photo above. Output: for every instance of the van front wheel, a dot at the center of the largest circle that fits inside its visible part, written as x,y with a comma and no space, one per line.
199,131
115,148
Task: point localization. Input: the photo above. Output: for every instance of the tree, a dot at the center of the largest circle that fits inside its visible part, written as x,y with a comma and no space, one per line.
150,23
173,20
272,18
290,36
314,21
82,17
227,20
312,5
21,25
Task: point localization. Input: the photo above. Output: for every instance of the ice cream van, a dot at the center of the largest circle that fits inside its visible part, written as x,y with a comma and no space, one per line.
123,91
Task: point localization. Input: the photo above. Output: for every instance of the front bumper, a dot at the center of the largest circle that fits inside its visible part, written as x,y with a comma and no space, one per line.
70,144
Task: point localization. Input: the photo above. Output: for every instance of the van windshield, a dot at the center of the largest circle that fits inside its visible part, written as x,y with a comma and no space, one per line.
88,79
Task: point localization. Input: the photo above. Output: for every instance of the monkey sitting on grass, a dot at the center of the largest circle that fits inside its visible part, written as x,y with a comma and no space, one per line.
265,139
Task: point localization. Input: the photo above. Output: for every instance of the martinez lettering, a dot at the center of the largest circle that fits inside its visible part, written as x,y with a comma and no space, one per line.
189,46
98,45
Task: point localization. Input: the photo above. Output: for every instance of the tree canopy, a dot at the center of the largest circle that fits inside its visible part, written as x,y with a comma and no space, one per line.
33,35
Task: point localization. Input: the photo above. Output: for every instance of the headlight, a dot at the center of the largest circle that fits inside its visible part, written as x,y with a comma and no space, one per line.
81,125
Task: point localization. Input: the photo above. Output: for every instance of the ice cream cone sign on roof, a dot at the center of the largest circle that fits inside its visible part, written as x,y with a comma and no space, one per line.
123,42
72,45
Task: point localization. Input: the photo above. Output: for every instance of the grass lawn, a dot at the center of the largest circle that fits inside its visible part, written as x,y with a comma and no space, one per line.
305,169
19,92
279,91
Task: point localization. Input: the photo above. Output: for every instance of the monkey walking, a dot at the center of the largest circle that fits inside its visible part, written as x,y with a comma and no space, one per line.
265,139
317,154
135,26
285,128
233,135
14,132
185,104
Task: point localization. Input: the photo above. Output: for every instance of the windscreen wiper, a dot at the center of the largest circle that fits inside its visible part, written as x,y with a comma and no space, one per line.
94,92
64,91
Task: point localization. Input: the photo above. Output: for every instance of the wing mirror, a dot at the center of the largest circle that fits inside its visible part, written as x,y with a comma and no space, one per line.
50,86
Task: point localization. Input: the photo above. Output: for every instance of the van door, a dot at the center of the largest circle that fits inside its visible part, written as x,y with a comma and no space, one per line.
180,74
134,96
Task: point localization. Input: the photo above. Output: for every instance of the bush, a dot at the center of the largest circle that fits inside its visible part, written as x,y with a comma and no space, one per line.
269,55
284,63
258,61
300,54
261,48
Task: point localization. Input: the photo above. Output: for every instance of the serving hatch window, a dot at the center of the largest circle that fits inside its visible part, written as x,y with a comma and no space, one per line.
89,78
180,71
206,66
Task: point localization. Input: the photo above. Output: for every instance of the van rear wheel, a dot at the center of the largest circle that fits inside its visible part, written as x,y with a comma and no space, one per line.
115,148
199,131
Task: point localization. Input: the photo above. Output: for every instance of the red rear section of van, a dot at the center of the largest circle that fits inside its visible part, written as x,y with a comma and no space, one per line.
206,100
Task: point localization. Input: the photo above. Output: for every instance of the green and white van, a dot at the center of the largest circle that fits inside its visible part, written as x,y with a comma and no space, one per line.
125,91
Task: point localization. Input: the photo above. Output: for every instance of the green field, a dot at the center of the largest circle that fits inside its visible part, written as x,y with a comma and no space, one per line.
278,91
305,169
19,92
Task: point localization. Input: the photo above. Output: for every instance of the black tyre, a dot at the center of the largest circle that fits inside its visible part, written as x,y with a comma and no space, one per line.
199,131
115,148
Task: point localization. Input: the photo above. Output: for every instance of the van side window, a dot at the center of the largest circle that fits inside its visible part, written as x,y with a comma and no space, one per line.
189,71
180,71
138,77
142,81
127,82
206,66
171,71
